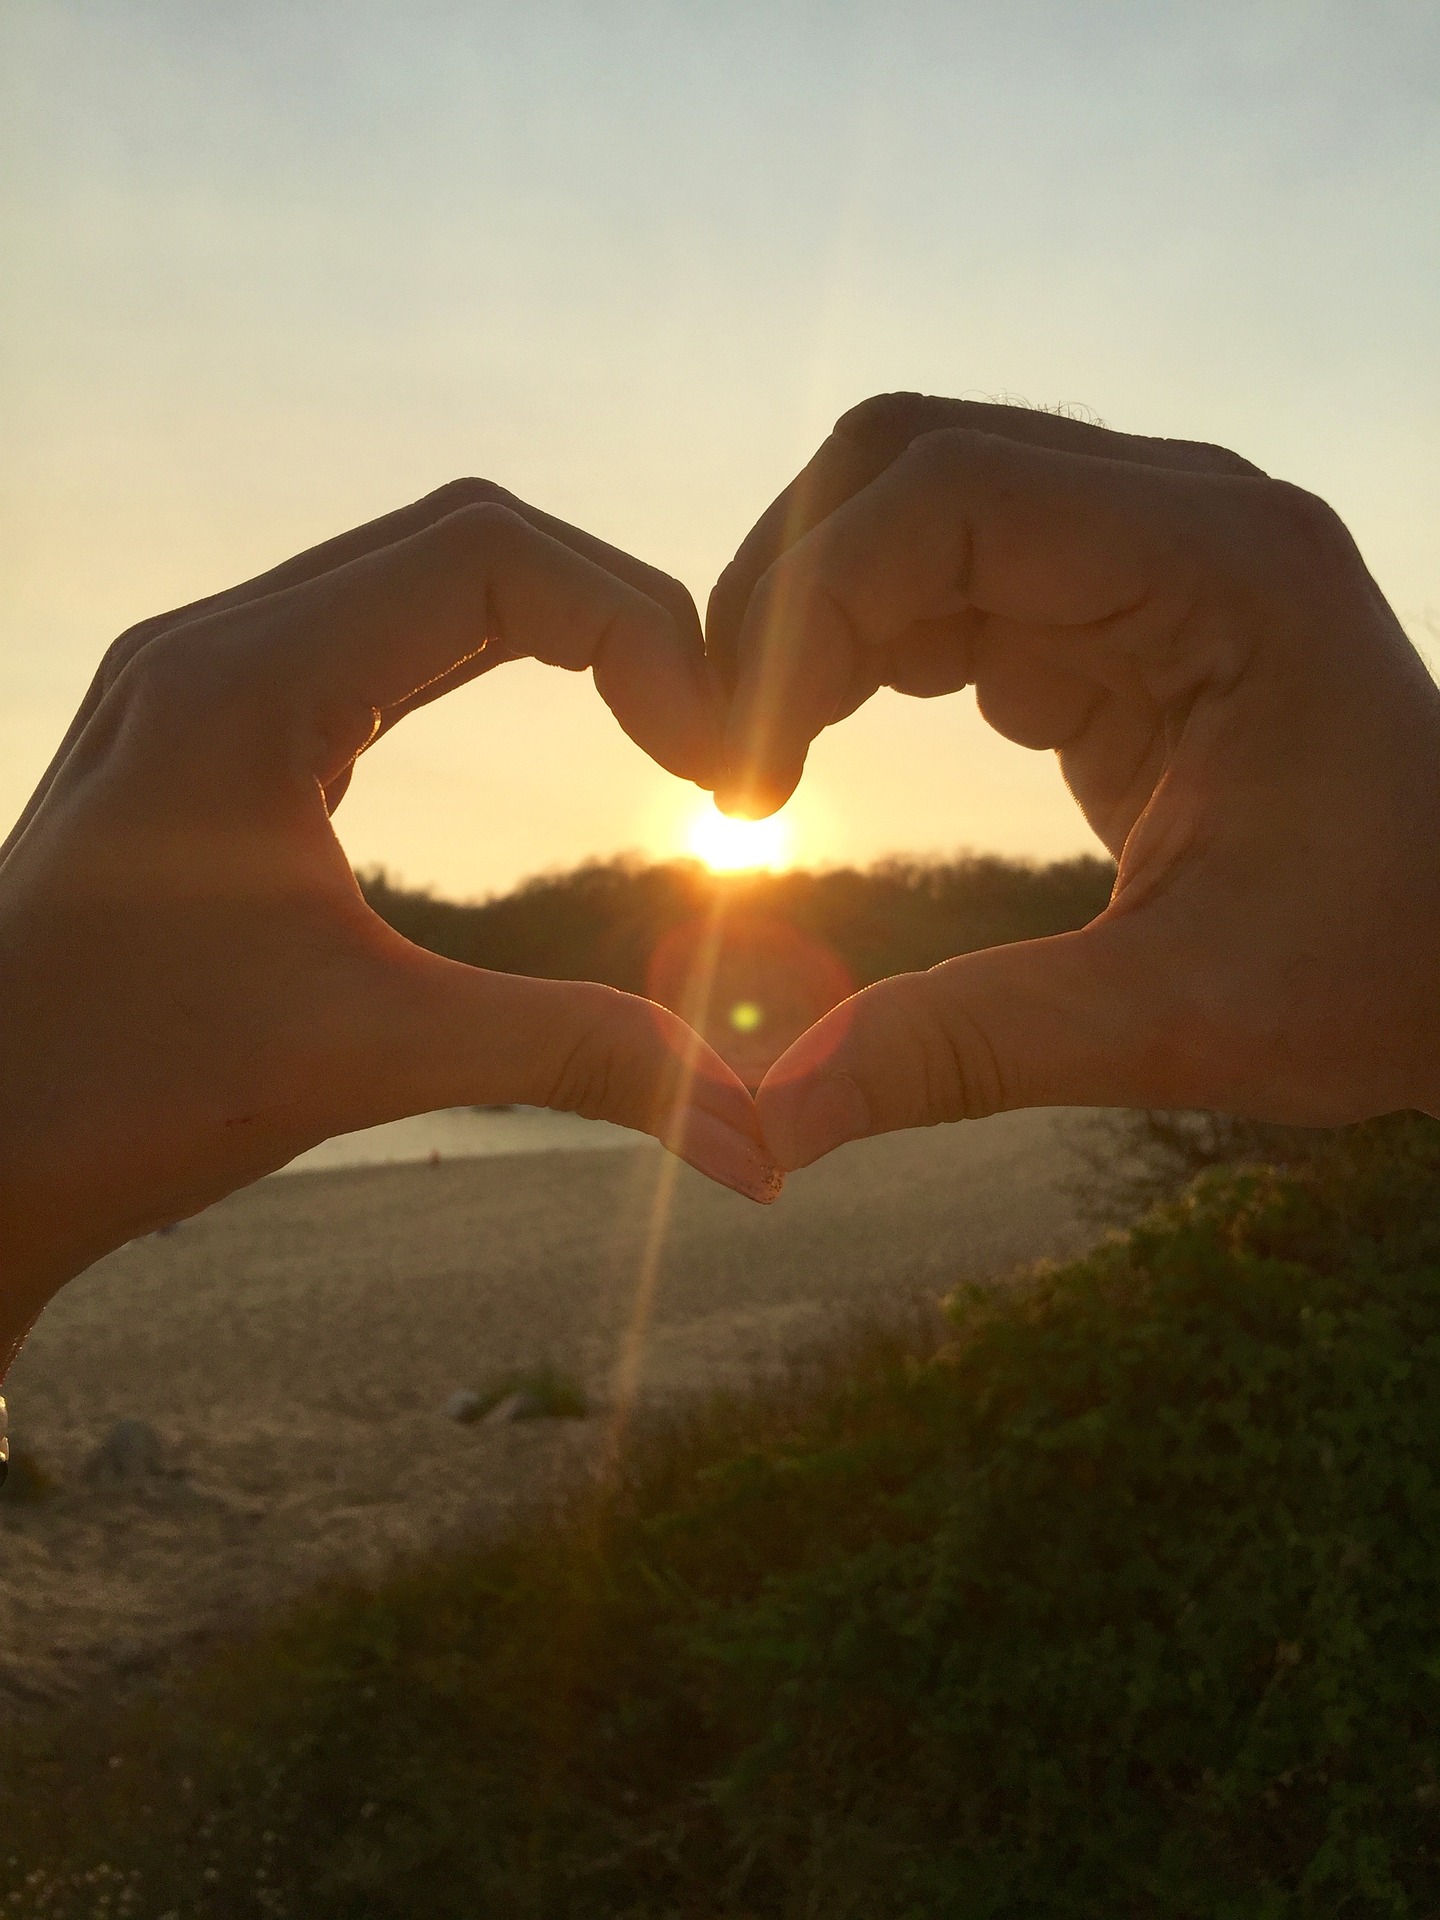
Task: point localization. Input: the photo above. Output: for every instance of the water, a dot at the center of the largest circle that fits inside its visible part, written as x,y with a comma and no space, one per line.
463,1133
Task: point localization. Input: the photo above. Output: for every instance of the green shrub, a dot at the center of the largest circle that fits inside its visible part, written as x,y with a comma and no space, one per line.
1134,1160
1125,1602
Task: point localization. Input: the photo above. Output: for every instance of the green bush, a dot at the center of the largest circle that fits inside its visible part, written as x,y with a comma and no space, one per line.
1124,1602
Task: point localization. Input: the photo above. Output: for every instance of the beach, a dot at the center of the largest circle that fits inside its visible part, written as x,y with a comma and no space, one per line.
294,1348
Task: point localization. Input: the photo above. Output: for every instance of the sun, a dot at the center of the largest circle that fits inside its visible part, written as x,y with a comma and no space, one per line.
732,846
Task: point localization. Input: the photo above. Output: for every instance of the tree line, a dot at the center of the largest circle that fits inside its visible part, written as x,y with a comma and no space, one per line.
604,920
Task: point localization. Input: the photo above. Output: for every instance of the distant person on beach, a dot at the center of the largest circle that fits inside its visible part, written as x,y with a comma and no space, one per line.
193,990
1236,710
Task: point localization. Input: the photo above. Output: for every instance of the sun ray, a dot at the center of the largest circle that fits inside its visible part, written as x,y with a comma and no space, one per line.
695,1008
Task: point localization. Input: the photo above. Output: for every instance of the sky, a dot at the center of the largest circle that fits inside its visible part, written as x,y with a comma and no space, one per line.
267,270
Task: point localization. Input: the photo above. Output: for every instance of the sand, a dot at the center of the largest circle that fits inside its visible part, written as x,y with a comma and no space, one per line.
294,1345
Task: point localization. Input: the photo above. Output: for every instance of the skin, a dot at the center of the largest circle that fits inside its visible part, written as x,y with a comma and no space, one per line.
1237,713
194,989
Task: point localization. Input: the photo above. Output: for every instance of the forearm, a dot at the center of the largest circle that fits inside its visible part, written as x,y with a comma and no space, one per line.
23,1261
23,1294
46,1238
30,1274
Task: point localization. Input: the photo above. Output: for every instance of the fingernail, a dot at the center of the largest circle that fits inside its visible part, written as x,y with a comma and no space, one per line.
732,1158
830,1111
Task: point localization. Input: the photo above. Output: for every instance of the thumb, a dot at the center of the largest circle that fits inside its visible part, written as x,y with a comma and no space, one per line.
1057,1022
453,1035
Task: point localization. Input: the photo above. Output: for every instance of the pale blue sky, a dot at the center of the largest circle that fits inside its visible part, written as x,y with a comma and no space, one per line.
267,270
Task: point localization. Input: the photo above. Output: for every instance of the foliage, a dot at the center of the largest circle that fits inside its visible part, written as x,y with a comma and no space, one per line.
604,920
1124,1601
1134,1160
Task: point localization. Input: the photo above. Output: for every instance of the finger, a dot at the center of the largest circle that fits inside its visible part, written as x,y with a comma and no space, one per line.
373,638
932,658
884,426
864,442
341,551
869,437
961,524
1081,1019
1024,687
436,1034
687,644
837,470
390,528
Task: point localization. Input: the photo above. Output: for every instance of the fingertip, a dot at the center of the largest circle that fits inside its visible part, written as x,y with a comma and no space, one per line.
660,691
803,1119
745,791
701,760
731,1158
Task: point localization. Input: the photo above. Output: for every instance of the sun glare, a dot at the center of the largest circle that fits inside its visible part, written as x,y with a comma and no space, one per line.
731,846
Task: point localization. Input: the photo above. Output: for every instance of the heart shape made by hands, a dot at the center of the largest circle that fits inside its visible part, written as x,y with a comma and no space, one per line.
196,990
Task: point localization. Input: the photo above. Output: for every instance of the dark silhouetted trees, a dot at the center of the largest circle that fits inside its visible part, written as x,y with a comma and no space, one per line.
604,920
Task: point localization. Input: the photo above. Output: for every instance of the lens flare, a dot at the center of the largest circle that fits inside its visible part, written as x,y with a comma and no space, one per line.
749,982
734,846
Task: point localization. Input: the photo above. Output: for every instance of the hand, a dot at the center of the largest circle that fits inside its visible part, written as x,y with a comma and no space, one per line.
193,990
1236,711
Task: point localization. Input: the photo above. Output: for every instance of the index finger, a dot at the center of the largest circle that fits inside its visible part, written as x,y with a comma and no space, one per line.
864,441
363,642
329,556
874,434
962,522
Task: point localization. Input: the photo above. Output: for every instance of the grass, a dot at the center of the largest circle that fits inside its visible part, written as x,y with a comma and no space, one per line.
1124,1600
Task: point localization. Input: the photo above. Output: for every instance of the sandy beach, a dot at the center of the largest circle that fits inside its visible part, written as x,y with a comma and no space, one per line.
294,1346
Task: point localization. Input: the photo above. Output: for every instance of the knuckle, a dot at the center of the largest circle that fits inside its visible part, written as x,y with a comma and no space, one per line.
885,418
479,528
675,597
1209,458
1306,528
119,654
663,600
590,1079
159,677
934,458
955,1070
467,492
160,662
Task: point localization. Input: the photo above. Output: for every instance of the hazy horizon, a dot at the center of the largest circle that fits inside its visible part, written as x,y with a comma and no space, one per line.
274,270
376,873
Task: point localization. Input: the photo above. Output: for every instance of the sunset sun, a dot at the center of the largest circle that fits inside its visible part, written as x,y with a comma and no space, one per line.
731,846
